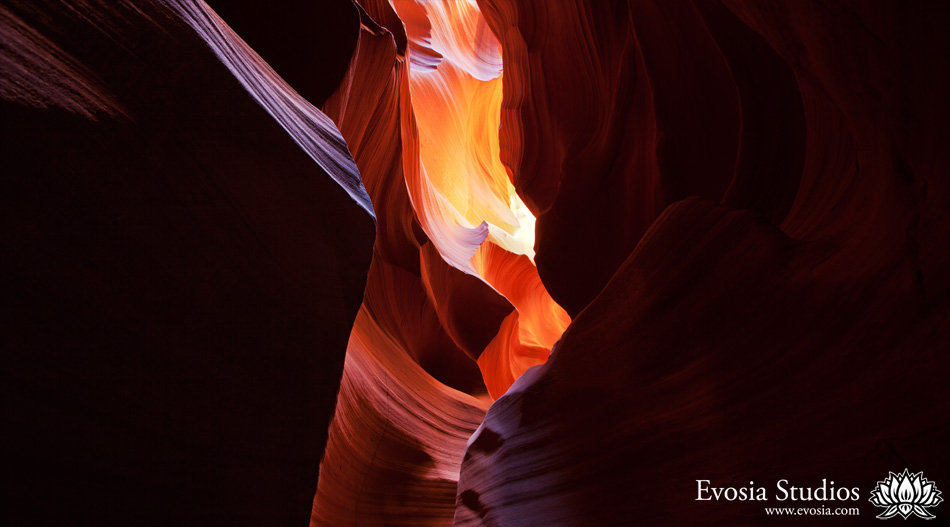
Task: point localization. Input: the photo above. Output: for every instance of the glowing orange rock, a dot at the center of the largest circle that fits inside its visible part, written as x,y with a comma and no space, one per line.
452,267
459,187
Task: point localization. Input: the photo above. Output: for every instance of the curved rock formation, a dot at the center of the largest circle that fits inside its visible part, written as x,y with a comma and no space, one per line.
713,379
657,102
727,219
801,340
401,423
420,112
396,441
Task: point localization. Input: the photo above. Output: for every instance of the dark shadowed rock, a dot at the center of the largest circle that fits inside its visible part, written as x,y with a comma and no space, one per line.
185,245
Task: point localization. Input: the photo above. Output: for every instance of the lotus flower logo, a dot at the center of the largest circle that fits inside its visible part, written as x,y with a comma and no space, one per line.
905,494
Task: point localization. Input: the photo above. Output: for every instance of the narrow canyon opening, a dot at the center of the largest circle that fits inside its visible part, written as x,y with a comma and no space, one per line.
454,311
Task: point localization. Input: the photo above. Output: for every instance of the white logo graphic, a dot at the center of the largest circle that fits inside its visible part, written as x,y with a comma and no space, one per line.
906,494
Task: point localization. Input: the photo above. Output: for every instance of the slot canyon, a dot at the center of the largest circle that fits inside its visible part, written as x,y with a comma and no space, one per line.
477,263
